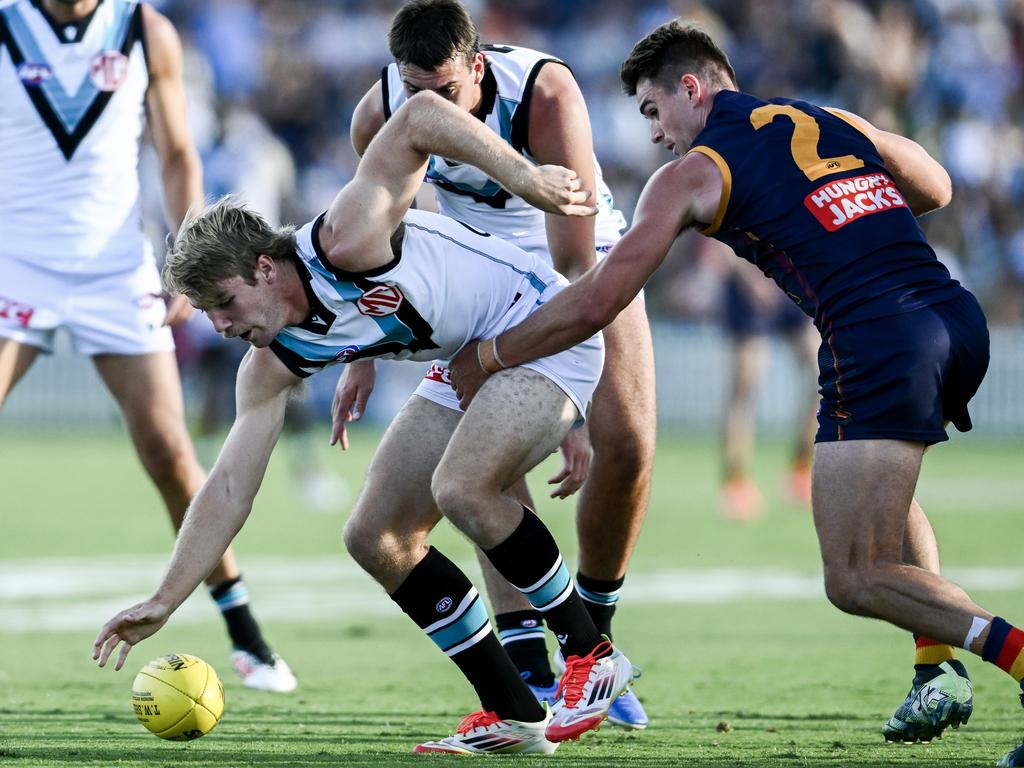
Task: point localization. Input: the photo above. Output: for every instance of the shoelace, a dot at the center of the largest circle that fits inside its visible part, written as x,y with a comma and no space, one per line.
577,673
479,719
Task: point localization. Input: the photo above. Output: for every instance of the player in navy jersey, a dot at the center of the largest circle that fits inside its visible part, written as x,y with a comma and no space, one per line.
825,204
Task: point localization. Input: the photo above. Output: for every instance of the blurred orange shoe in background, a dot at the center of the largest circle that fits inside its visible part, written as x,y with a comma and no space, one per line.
741,500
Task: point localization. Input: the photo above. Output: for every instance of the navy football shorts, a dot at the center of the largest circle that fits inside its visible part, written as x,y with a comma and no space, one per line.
903,377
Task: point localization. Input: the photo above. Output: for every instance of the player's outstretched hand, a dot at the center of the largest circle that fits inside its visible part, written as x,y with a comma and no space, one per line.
575,463
129,627
467,375
178,311
558,190
350,396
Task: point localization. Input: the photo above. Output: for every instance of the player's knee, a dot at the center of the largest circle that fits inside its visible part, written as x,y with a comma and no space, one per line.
169,463
846,590
629,457
450,495
459,504
364,542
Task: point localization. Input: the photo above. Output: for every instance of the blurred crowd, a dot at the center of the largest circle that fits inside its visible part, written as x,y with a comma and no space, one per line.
272,85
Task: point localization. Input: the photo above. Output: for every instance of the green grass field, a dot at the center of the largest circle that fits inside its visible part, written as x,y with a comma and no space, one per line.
745,663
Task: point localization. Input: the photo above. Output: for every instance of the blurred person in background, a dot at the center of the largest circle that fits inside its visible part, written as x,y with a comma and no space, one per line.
532,102
370,278
826,204
77,77
753,309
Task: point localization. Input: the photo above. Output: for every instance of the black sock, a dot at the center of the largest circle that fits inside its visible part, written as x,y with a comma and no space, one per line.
232,598
530,561
445,605
600,597
522,635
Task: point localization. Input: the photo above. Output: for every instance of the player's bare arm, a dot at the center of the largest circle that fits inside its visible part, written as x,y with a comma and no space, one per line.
180,168
219,509
358,224
367,119
357,380
560,134
921,178
434,126
682,193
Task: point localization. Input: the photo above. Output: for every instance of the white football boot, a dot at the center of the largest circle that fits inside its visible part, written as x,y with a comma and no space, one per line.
276,677
484,733
626,711
589,686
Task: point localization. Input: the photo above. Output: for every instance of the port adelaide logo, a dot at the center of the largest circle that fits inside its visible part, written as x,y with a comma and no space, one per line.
108,69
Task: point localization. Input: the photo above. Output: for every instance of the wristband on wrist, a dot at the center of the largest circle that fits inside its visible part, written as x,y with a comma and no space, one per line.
494,350
487,356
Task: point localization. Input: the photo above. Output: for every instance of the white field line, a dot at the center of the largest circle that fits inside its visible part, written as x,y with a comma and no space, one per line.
81,593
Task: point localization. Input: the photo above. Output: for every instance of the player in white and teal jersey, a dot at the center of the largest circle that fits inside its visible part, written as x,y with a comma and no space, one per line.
446,285
531,100
371,279
76,80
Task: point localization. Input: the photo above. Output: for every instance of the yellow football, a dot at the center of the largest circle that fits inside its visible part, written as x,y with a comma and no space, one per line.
178,697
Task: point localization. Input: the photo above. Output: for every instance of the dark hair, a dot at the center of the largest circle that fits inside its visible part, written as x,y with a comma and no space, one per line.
428,33
672,50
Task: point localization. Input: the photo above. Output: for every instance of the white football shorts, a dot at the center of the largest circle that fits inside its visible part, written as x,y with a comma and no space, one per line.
120,313
575,371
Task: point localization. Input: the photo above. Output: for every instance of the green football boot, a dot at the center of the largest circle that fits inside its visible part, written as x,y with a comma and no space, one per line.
941,696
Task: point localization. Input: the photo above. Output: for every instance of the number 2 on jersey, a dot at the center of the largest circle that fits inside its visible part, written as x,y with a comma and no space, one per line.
804,144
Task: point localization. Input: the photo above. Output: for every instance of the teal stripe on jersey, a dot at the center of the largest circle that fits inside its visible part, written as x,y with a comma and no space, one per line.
393,328
506,109
462,626
309,350
543,595
119,29
603,598
489,189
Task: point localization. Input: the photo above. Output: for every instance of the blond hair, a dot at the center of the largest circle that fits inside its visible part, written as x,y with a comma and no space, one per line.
222,242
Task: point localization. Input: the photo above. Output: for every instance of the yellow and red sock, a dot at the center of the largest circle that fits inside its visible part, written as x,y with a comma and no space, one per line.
1004,647
930,651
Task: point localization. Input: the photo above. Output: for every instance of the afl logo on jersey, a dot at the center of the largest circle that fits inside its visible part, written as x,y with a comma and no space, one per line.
34,74
380,301
108,69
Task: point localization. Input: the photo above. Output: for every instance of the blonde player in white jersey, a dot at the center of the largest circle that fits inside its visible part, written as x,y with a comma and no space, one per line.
531,100
369,278
76,78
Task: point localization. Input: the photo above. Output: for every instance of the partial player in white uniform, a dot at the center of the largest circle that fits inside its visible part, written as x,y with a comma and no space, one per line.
77,79
531,100
448,285
371,279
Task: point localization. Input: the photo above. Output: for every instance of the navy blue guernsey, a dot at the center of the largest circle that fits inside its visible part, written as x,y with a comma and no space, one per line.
806,197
